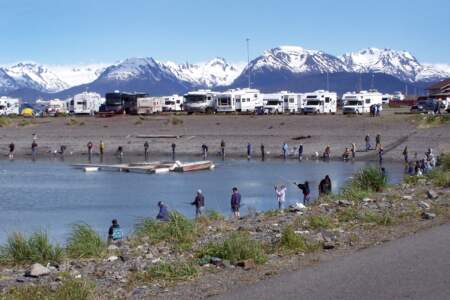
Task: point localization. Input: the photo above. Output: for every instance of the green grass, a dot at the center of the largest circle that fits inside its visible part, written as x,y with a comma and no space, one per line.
292,242
179,230
72,289
384,219
214,215
445,161
439,177
170,272
19,249
319,222
412,180
435,120
272,213
237,247
4,121
25,122
85,242
347,215
366,182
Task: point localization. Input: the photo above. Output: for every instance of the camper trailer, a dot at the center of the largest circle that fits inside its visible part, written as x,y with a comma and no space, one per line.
149,105
273,103
360,103
386,98
200,101
86,103
9,106
320,102
173,103
241,100
292,102
56,107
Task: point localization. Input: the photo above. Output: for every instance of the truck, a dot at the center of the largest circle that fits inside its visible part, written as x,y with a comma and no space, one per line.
86,103
360,102
121,102
200,101
240,100
149,105
320,102
173,103
9,106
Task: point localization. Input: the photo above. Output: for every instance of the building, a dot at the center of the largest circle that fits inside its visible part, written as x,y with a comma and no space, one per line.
442,87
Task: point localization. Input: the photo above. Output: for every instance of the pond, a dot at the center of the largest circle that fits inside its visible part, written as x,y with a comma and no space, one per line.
52,195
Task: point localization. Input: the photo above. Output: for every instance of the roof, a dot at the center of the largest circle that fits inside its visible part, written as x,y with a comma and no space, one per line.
440,84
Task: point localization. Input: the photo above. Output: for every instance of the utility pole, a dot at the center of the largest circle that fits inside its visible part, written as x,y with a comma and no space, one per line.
371,83
328,83
248,60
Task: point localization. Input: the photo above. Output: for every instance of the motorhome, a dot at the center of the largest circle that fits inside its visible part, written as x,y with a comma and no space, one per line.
320,102
386,98
149,105
56,107
173,103
398,96
9,106
273,103
292,102
360,102
241,100
119,102
200,101
85,103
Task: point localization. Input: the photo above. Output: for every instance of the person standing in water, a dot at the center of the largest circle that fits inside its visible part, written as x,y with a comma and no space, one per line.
34,146
280,192
173,151
146,146
380,154
222,149
205,151
11,151
305,190
101,147
89,147
199,203
300,152
405,154
235,202
263,153
285,149
249,151
353,149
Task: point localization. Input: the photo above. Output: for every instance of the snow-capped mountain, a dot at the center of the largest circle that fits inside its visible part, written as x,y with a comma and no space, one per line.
296,60
74,75
433,72
217,72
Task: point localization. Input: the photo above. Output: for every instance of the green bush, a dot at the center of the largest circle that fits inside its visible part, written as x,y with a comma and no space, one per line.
237,247
292,242
370,179
439,177
170,271
214,215
85,242
319,222
36,248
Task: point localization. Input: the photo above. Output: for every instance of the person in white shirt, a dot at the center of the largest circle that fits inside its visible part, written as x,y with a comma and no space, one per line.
280,192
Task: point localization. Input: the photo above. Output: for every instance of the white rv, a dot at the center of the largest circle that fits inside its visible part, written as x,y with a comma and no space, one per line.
173,103
273,103
386,98
241,100
86,103
200,101
398,96
149,105
320,102
55,107
9,106
292,102
359,103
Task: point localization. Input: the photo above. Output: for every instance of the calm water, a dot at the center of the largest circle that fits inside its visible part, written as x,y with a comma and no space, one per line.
48,195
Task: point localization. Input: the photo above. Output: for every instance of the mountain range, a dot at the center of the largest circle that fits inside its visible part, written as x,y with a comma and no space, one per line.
282,68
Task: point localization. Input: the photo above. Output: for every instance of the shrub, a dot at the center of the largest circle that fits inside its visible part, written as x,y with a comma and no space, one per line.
237,247
292,242
170,271
370,179
85,242
319,222
37,248
439,178
214,215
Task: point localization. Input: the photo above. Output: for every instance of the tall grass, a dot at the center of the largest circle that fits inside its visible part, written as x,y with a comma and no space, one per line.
319,222
4,121
292,242
85,242
365,182
237,247
445,161
19,249
170,271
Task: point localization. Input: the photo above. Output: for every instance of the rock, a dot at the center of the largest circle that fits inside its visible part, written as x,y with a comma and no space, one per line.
156,260
302,232
384,205
113,247
328,236
407,197
217,262
367,200
37,270
345,203
424,205
428,215
112,258
328,245
247,264
432,194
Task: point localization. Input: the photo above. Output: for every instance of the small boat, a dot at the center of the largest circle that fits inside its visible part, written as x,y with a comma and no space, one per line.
90,169
194,166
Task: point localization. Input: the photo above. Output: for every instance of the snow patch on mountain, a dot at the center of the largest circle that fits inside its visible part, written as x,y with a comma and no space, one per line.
433,72
74,75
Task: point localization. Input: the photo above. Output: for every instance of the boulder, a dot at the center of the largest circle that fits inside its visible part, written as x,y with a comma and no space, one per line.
247,264
328,245
37,270
113,247
112,258
345,203
428,215
432,194
424,205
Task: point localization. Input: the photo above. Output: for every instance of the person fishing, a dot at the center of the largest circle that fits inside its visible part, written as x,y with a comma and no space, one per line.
353,150
263,152
34,147
199,203
280,192
89,146
163,214
222,148
146,146
346,154
305,189
173,150
325,186
11,150
62,149
119,152
249,151
300,152
285,149
405,154
378,141
326,153
205,151
367,140
115,232
380,155
101,147
235,202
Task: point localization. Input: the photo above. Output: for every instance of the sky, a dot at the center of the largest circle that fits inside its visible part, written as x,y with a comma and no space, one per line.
92,31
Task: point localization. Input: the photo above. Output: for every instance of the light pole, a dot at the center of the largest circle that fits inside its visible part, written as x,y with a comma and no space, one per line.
248,60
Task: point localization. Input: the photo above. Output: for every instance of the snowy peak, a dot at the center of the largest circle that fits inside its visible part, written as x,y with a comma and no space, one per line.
400,64
297,60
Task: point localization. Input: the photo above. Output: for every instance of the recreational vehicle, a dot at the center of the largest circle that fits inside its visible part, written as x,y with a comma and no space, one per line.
9,106
320,102
292,102
85,103
273,103
241,100
200,101
359,103
56,107
119,103
398,96
149,105
173,103
386,98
